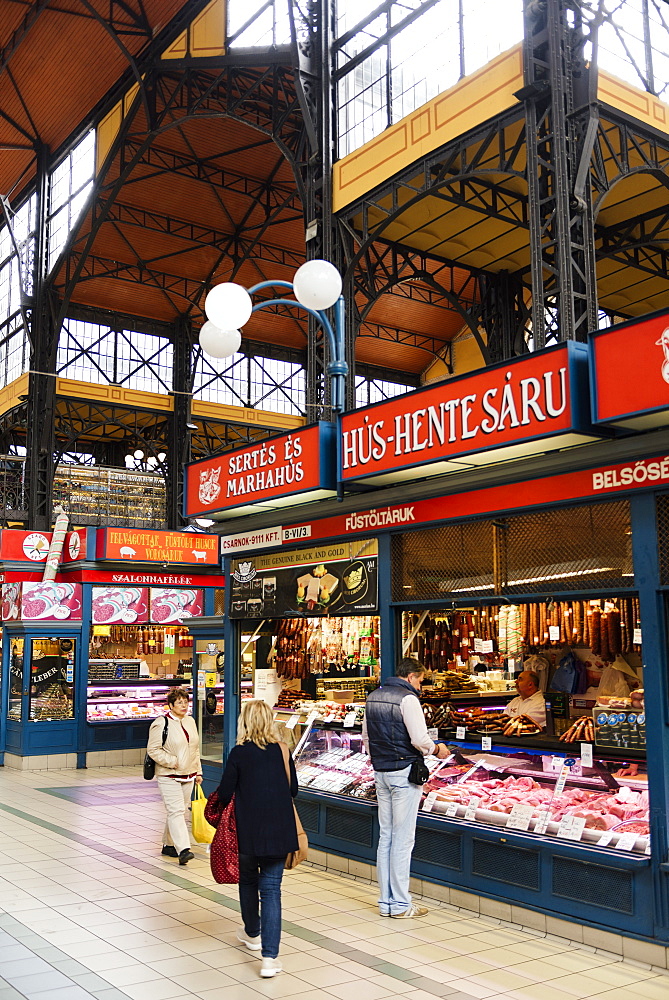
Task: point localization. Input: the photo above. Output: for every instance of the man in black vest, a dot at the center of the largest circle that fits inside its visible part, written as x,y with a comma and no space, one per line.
395,735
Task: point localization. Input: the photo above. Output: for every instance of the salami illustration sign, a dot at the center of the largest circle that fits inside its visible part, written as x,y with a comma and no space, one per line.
51,602
120,605
173,607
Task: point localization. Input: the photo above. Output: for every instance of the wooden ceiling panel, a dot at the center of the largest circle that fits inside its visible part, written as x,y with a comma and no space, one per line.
63,65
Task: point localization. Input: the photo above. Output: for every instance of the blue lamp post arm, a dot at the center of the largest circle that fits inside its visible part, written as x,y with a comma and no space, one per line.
337,369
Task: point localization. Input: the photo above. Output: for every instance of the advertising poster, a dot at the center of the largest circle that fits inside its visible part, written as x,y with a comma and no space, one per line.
120,605
338,579
51,602
173,607
11,602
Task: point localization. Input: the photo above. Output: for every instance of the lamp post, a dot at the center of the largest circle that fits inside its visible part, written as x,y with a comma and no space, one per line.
316,287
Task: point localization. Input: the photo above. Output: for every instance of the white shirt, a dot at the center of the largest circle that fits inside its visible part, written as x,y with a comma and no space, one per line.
414,720
534,706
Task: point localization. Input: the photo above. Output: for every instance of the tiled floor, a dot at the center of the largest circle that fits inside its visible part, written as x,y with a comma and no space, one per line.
88,908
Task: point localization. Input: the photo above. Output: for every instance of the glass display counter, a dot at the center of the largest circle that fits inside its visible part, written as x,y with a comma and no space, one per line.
127,699
602,804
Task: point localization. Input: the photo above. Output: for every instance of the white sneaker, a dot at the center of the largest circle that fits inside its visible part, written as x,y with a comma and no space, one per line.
413,911
270,967
252,943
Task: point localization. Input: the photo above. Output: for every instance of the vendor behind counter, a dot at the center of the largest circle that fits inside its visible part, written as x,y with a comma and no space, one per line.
530,700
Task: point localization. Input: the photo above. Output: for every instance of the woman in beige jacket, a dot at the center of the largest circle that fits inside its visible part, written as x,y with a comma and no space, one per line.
178,767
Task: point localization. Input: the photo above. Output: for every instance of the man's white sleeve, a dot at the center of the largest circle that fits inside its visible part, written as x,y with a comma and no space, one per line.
414,720
365,741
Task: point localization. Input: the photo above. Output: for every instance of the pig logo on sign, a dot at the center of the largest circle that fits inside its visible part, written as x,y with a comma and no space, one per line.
126,552
663,342
209,487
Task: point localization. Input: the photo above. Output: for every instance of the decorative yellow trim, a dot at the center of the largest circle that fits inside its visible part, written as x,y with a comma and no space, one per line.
9,395
472,100
632,101
204,37
244,415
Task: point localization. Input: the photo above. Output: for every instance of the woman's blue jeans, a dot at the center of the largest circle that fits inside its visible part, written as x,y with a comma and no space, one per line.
260,900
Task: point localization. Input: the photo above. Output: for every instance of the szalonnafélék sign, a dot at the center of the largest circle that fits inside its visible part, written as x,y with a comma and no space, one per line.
263,476
530,404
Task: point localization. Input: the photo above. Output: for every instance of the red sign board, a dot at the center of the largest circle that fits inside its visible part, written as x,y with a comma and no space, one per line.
165,547
300,462
596,483
630,373
33,546
500,409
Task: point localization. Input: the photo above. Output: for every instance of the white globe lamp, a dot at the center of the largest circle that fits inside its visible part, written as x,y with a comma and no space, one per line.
317,284
219,343
139,455
228,306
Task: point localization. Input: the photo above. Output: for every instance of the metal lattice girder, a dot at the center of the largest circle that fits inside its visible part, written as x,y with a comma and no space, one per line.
211,437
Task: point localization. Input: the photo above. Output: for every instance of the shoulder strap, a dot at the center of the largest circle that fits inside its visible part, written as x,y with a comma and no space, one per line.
165,731
284,754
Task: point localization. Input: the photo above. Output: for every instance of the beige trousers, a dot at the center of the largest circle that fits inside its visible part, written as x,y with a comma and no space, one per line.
176,796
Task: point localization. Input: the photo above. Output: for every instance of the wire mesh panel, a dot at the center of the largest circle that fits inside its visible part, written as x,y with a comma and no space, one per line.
663,536
572,548
452,559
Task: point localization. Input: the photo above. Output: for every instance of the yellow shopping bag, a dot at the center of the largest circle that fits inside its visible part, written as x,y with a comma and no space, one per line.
202,831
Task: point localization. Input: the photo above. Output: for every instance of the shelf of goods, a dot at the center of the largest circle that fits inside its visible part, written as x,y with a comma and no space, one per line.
98,493
127,699
529,790
331,646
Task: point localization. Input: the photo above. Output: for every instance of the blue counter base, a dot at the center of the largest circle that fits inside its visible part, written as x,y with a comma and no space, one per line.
604,889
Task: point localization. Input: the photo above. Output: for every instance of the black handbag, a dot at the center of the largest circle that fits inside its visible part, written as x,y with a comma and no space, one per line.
149,762
418,773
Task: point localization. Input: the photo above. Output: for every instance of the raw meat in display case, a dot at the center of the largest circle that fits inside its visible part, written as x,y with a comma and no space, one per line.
524,791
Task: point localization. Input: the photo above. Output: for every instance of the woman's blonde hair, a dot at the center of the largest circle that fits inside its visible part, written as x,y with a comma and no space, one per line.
256,724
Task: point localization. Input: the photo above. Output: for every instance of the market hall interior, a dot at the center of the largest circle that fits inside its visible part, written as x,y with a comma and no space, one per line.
90,909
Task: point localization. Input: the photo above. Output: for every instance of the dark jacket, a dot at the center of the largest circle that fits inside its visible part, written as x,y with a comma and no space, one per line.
388,738
263,800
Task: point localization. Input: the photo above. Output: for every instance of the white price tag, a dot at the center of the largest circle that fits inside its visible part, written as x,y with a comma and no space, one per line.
562,780
433,733
292,721
429,802
349,720
519,817
554,633
330,718
486,743
460,733
452,809
478,645
605,838
502,634
571,827
586,754
486,646
636,638
542,822
626,842
470,811
647,851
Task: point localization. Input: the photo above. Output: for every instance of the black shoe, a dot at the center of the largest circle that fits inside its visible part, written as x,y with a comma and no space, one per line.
185,857
170,852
